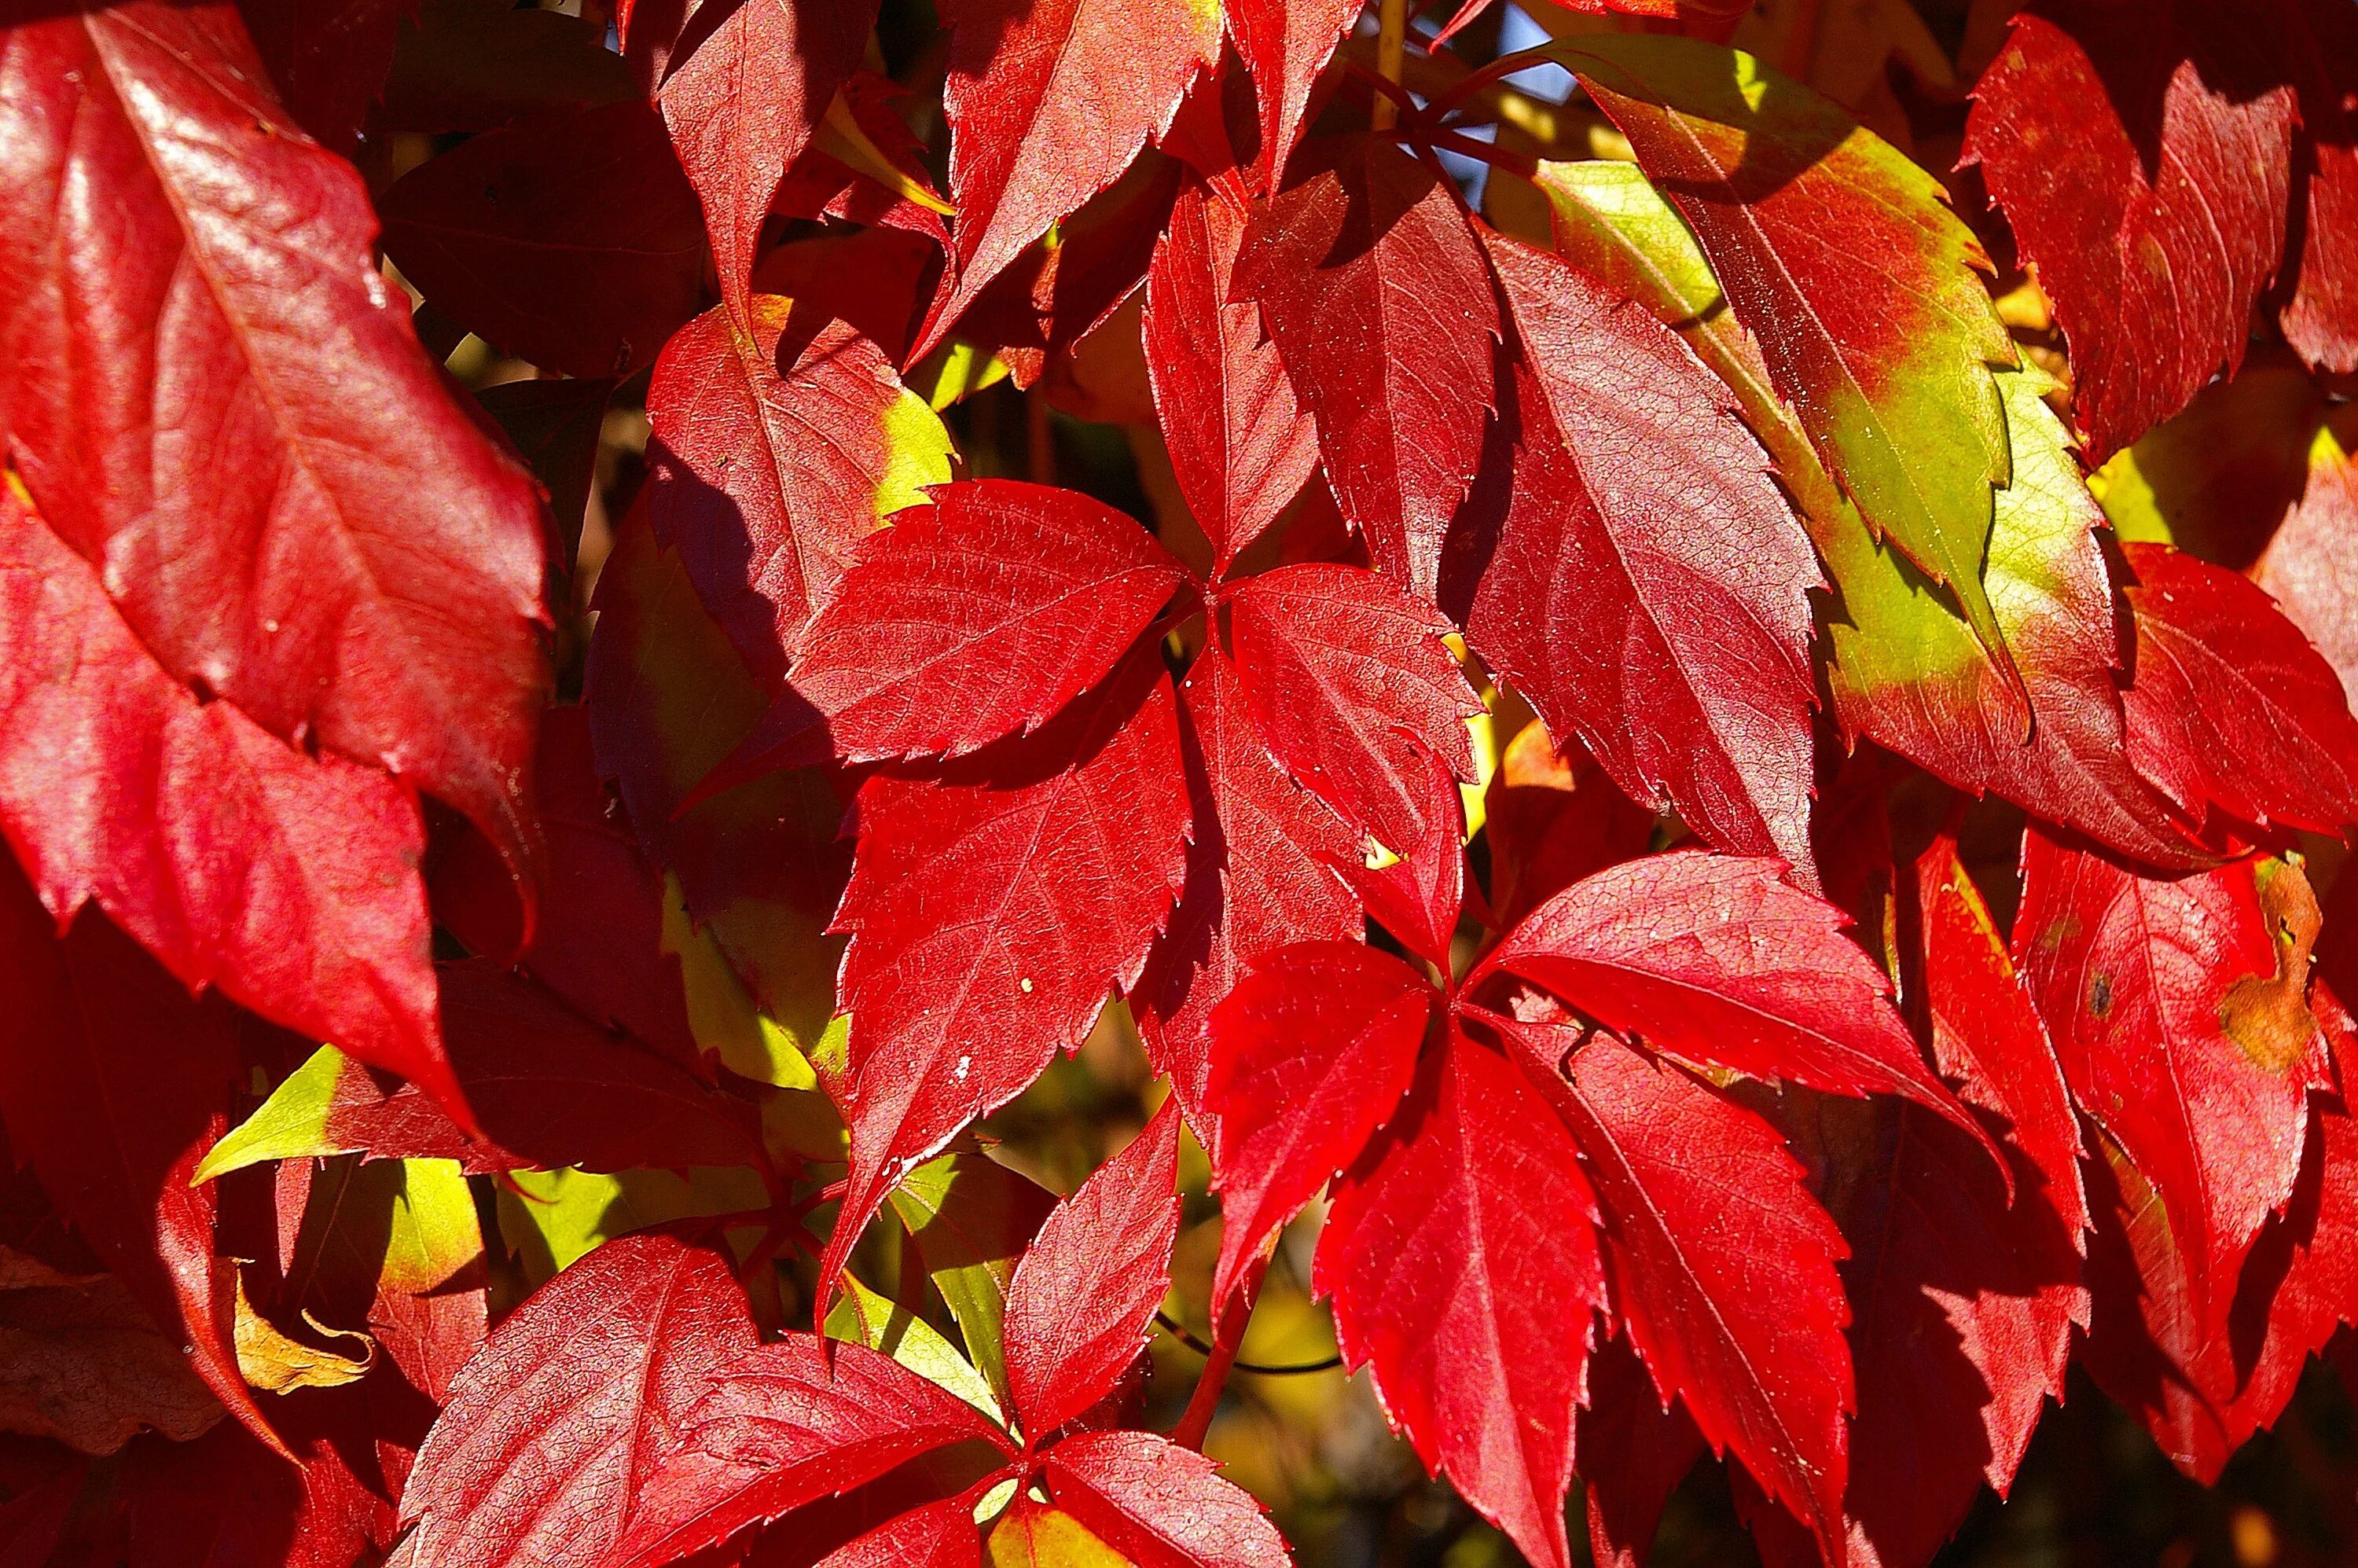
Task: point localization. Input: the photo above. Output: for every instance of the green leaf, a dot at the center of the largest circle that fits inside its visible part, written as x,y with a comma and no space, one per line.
551,1219
971,1218
293,1122
880,1322
1842,255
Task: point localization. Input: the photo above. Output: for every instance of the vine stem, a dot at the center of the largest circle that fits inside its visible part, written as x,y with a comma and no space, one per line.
1227,1338
1392,42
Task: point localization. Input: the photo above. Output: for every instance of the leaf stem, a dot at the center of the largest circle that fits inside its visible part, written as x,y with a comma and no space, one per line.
1221,1359
1391,43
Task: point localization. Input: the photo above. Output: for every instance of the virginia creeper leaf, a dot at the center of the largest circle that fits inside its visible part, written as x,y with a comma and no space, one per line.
1310,1052
1285,44
2143,162
1883,342
1635,1449
1723,1267
1374,290
742,105
328,61
1461,1255
786,1424
86,1367
971,1218
2177,1010
286,880
559,1424
1240,443
570,238
782,441
1647,589
1082,1302
2231,705
978,616
1160,1504
1718,959
212,396
113,1119
1047,104
1260,860
1050,862
2320,320
2311,565
1346,676
940,1535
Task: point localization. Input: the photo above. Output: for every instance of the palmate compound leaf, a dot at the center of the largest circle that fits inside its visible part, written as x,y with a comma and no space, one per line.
2230,705
1262,859
1721,962
979,615
2178,1009
1350,684
1461,1256
2199,1392
1240,444
1907,672
1864,289
742,105
1722,1267
2142,158
286,880
1083,1301
1049,103
1963,1294
558,1428
1647,588
994,903
1311,1051
779,442
114,1082
1374,289
212,396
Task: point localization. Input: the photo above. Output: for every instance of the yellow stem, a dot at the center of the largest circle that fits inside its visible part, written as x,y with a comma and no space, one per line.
1391,40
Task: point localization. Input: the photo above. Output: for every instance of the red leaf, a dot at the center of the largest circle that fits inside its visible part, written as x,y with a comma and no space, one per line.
991,907
1082,1305
1718,960
1722,1266
549,1088
1049,103
1285,44
1240,443
939,1535
2231,705
2310,567
2202,1393
599,942
1346,676
558,1427
1634,1452
1649,588
1310,1053
1260,876
1159,1505
1552,819
2320,320
1965,1293
788,1423
741,107
1418,897
1461,1255
286,880
328,61
772,446
2143,160
2176,1034
1375,290
822,185
569,239
304,524
113,1084
978,616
